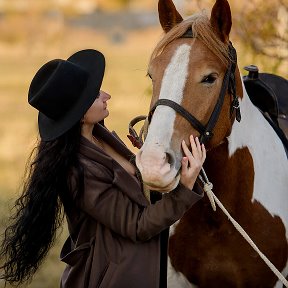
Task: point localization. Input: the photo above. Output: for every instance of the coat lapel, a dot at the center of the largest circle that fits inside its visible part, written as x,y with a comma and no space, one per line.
113,140
127,183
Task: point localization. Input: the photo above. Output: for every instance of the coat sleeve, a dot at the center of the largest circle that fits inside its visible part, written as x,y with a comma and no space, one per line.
104,202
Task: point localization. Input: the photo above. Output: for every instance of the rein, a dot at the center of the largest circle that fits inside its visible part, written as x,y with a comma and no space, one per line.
137,141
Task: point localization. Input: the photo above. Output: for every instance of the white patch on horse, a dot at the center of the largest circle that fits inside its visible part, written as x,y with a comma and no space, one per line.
172,88
269,159
172,228
177,279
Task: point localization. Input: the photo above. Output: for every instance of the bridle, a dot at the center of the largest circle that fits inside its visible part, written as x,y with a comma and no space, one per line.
228,83
206,132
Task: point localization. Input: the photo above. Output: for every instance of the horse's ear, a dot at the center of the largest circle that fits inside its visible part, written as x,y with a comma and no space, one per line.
168,15
221,19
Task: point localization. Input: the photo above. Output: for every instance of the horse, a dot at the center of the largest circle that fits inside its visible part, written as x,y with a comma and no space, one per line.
198,89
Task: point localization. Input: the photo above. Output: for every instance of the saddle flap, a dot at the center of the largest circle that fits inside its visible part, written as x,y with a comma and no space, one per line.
279,86
262,95
269,93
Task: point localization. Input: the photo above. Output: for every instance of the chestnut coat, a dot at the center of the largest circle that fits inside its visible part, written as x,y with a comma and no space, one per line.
115,233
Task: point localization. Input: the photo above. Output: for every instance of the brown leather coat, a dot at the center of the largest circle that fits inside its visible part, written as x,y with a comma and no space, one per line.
114,232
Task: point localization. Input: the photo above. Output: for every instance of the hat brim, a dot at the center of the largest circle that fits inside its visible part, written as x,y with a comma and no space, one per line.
93,62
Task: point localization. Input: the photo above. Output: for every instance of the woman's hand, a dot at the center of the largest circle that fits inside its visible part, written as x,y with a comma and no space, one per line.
192,162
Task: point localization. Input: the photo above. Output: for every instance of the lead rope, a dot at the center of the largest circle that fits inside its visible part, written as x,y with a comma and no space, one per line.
208,186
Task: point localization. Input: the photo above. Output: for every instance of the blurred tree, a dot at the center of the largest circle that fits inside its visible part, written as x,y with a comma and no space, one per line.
116,4
261,29
264,27
124,2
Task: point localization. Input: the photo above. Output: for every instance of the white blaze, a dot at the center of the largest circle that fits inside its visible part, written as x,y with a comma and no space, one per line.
172,88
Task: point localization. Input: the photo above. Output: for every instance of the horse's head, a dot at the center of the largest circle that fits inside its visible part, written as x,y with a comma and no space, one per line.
188,68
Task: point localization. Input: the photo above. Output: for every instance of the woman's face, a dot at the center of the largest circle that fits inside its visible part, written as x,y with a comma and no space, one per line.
98,110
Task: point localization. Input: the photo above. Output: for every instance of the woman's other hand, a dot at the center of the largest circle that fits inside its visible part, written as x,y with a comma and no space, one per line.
192,161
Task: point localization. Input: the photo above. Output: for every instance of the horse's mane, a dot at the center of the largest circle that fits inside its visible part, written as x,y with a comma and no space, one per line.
202,30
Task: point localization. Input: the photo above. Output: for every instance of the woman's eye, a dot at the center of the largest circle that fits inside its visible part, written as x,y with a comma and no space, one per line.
209,79
149,75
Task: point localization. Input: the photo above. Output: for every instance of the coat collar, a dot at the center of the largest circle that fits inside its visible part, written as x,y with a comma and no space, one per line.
113,140
101,132
126,182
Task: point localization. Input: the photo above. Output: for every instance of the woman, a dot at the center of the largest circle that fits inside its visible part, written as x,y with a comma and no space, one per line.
116,237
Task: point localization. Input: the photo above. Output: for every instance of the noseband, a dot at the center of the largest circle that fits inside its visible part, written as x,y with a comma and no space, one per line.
228,83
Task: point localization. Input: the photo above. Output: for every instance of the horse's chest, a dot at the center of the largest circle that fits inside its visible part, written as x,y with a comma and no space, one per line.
216,255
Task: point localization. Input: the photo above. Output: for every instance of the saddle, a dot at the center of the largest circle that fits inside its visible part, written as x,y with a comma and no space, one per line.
269,93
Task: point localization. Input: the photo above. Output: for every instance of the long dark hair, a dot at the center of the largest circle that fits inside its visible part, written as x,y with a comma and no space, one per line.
38,211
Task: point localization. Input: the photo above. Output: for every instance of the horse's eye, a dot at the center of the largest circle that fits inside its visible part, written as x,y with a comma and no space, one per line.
209,79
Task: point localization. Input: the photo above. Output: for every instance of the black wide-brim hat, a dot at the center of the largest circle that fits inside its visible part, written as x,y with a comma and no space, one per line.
63,90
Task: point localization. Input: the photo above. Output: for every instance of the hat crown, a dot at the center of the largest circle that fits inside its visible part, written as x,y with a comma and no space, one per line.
63,90
56,87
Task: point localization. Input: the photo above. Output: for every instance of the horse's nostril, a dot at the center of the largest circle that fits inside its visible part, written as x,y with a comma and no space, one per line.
170,158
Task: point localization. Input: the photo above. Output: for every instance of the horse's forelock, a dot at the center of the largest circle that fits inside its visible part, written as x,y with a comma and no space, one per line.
202,30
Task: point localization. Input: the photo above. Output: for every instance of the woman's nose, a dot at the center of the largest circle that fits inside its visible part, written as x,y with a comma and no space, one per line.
105,95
